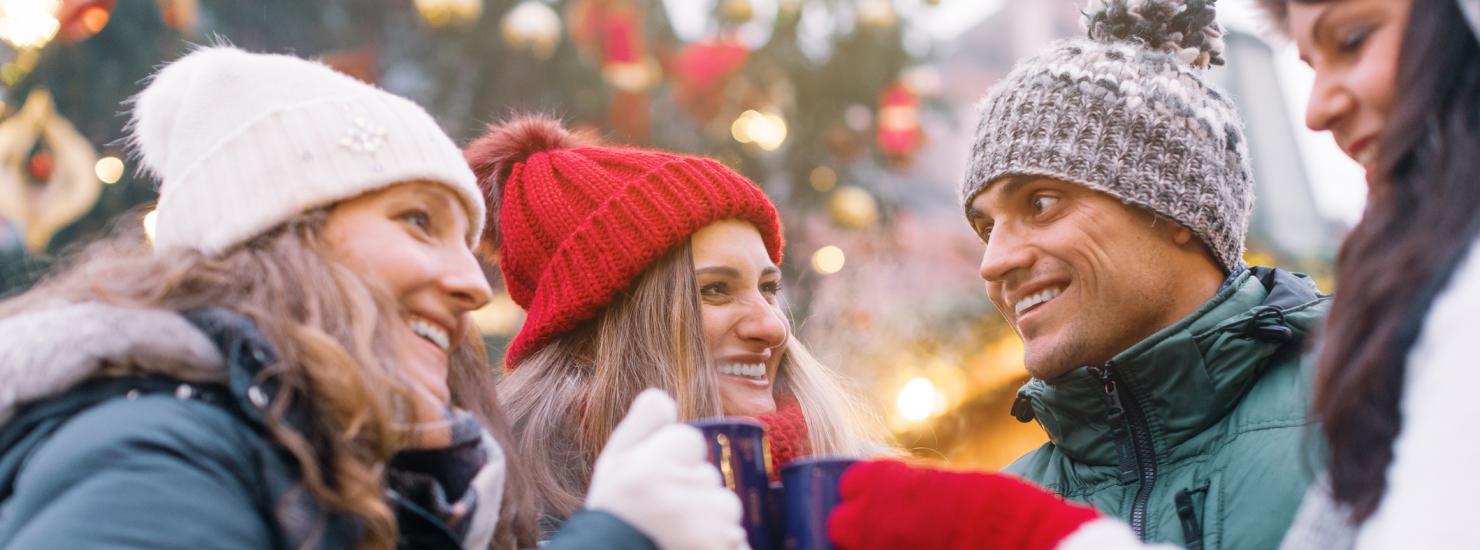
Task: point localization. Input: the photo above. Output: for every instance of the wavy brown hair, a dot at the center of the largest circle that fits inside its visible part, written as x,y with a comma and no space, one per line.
1421,217
329,331
565,399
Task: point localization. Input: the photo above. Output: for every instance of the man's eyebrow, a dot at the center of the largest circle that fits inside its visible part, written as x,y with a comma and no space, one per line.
1009,187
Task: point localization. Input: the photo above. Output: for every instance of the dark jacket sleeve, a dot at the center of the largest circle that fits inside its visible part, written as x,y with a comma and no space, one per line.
156,472
594,529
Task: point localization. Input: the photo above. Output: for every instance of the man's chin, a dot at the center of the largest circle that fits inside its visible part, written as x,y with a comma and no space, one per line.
1045,361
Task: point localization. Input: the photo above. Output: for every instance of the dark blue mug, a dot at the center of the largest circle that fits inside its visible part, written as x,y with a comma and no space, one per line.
811,489
737,447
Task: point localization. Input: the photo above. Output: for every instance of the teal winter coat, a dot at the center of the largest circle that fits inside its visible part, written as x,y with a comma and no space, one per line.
1197,435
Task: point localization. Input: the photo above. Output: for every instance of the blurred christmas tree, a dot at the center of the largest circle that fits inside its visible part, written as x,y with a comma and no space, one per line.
814,99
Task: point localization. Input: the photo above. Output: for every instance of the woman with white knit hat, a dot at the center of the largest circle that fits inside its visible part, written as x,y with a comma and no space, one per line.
291,363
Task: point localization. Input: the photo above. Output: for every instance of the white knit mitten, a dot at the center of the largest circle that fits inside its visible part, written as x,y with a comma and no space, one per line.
653,475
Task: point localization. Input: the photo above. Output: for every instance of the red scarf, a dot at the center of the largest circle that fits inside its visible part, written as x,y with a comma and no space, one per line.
786,431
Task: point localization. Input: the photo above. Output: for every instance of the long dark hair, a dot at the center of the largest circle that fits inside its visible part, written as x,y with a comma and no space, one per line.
1420,218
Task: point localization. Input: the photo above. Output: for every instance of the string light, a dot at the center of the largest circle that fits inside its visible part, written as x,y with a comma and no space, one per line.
828,260
764,130
149,223
29,23
916,400
109,169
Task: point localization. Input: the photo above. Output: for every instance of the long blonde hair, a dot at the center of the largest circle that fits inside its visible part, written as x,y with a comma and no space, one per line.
329,331
567,397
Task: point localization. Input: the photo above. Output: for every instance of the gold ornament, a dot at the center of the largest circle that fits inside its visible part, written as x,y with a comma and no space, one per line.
737,11
42,208
854,208
877,13
532,26
441,13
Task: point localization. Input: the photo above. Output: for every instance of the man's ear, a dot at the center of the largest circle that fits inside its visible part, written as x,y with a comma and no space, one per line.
1182,235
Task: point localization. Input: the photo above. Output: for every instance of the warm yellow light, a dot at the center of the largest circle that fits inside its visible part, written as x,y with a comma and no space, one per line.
740,129
828,260
823,179
768,131
765,130
109,169
501,317
916,399
878,13
149,222
29,23
533,26
440,13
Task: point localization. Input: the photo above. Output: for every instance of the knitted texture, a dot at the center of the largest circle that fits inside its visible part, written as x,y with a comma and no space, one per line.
1127,113
887,504
578,225
242,142
786,434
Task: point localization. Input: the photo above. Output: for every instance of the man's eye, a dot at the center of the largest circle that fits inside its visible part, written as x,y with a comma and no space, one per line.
1044,202
772,288
985,232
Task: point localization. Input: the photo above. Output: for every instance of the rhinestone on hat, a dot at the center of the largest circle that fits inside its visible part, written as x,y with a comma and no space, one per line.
363,137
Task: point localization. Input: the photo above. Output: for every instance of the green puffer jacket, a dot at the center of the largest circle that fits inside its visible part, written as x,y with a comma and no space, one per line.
1198,435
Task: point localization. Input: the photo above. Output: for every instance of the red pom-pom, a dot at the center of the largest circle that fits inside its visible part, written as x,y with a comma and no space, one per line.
494,155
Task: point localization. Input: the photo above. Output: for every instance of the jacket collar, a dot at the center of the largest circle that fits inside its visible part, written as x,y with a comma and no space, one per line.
1187,376
48,350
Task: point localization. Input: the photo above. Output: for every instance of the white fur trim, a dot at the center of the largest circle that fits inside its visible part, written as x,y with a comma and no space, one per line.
242,142
1430,492
1106,534
489,486
46,351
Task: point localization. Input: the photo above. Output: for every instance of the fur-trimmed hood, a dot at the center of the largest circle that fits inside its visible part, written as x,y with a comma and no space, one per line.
46,351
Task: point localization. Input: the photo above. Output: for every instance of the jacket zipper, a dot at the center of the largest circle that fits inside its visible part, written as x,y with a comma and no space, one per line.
1137,457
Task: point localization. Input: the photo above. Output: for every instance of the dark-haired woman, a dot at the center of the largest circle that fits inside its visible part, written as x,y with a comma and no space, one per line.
1398,86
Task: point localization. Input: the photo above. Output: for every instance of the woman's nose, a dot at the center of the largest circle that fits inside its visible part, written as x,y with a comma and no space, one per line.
763,324
464,284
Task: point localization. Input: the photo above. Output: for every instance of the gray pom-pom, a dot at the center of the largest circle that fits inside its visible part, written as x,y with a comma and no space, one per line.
1186,29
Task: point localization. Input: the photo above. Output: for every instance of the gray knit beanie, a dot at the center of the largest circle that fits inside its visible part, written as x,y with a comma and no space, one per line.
1127,113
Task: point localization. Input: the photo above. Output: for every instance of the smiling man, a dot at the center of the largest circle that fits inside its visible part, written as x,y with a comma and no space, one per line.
1111,186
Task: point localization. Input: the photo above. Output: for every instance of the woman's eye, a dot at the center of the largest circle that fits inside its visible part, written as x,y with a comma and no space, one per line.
1352,41
419,218
1044,202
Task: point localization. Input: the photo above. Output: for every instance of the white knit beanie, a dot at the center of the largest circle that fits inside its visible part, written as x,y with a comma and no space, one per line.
241,142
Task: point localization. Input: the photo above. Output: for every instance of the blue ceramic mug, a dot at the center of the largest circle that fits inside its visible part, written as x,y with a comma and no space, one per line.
737,447
811,489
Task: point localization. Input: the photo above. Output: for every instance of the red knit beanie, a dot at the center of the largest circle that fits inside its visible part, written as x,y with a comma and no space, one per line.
573,223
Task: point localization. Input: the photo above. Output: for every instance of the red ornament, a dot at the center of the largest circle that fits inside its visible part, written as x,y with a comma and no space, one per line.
40,166
80,19
702,70
900,134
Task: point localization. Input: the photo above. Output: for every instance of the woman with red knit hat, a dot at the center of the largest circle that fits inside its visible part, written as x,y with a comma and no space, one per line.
641,268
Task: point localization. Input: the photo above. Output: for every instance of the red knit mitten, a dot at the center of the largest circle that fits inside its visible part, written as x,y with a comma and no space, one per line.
888,504
786,431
